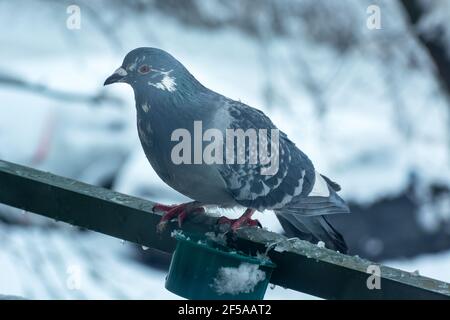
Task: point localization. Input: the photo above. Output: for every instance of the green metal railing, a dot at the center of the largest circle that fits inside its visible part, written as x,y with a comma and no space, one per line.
301,266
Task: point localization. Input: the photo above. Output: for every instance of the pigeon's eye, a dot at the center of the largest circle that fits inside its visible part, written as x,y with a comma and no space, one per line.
144,69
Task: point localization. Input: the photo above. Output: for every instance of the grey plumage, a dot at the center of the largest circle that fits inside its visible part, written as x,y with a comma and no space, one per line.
168,97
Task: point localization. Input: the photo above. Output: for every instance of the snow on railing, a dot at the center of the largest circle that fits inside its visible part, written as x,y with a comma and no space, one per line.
301,266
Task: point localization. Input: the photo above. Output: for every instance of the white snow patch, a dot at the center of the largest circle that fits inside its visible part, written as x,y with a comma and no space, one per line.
179,234
321,244
238,280
219,238
282,247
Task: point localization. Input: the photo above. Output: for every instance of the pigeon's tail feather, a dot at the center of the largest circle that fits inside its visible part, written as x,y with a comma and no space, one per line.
317,205
312,229
304,218
331,183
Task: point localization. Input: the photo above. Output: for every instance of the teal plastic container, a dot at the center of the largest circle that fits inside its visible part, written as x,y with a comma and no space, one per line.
202,269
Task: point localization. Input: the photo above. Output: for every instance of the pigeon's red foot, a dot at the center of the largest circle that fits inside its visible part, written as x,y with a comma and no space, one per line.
180,211
244,221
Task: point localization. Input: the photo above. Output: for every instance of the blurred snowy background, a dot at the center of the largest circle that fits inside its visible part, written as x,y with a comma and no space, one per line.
369,106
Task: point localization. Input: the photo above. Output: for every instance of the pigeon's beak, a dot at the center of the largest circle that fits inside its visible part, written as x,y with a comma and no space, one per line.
117,76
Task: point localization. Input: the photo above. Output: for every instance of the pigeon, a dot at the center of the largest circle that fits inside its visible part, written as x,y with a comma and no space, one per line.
172,104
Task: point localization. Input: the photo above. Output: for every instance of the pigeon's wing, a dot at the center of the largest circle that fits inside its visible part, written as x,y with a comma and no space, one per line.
295,186
271,185
296,192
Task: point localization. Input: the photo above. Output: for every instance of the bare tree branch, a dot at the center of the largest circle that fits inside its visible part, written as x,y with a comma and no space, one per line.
66,96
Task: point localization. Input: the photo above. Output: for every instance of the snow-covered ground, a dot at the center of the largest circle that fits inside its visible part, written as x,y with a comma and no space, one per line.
42,263
369,116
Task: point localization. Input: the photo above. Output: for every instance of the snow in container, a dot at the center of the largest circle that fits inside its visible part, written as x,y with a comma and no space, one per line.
202,268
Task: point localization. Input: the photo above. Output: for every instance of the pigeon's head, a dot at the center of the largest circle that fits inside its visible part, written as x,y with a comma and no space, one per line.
150,68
